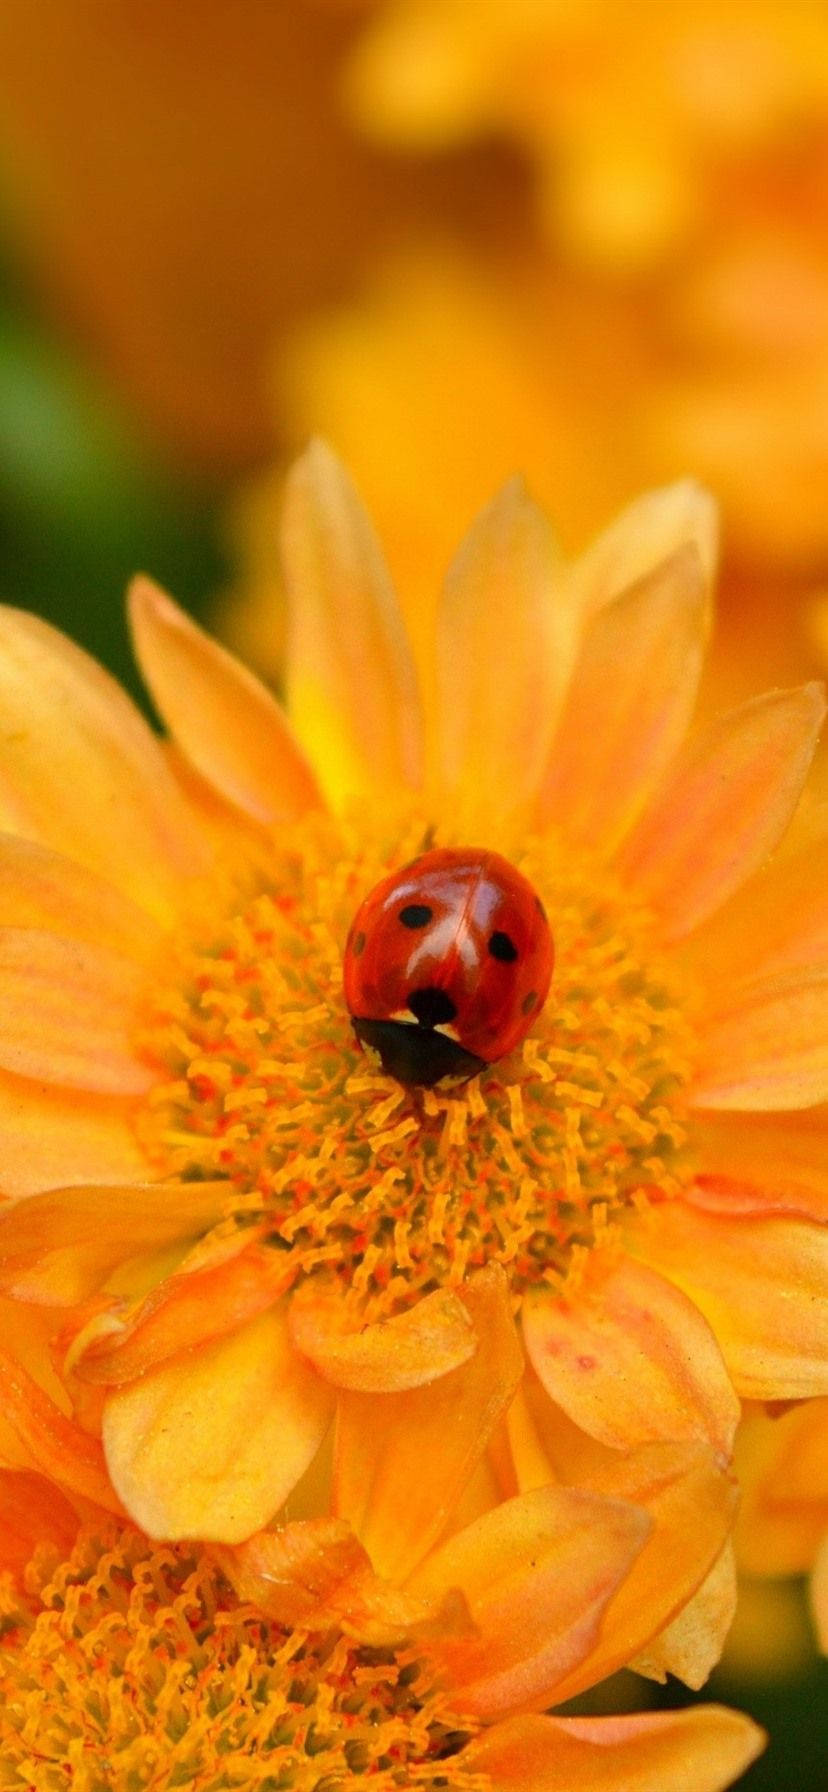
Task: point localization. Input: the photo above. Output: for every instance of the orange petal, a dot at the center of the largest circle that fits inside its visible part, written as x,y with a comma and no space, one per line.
42,889
691,1646
505,648
724,807
699,1750
59,1247
537,1573
211,1445
32,1512
629,703
763,1163
401,1464
82,772
630,1358
782,1464
405,1352
315,1574
35,1434
778,922
761,1284
691,1505
186,1310
69,1013
51,1133
651,530
769,1048
226,723
351,684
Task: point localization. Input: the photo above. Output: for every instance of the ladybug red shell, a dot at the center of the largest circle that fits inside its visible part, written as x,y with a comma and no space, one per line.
447,963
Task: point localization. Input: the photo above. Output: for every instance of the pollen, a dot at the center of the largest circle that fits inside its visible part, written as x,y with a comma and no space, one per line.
132,1666
396,1191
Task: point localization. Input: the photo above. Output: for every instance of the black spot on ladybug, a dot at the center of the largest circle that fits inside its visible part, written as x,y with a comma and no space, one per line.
358,944
503,947
529,1001
431,1006
416,914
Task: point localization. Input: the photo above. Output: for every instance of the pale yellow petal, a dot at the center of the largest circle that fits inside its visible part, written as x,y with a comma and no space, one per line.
50,1133
82,772
351,685
224,720
692,1644
41,888
58,1247
69,1013
211,1445
408,1350
760,1282
700,1750
724,806
648,532
778,922
505,646
776,1163
769,1048
630,1358
629,702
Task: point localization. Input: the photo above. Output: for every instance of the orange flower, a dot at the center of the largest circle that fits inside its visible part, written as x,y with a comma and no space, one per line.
120,1658
783,1523
245,1225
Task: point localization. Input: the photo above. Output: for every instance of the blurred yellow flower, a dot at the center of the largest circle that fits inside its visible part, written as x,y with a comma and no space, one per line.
263,1227
123,1664
783,1523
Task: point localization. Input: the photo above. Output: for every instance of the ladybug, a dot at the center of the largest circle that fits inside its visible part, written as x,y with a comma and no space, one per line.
447,963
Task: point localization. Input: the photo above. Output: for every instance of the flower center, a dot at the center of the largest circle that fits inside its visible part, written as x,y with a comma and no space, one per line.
135,1667
398,1191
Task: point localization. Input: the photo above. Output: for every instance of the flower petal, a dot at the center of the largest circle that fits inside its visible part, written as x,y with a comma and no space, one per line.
408,1351
700,1750
505,647
691,1646
760,1281
192,1306
537,1573
642,537
630,1358
50,1133
691,1504
763,1163
69,1013
819,1595
225,721
724,806
351,685
32,1512
41,888
35,1434
782,1464
777,922
59,1247
401,1464
629,702
82,772
315,1574
211,1445
769,1048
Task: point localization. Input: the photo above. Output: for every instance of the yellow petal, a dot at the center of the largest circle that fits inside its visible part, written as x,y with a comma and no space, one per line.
700,1750
226,723
69,1013
401,1463
351,686
35,1434
505,647
629,702
211,1445
782,1463
651,530
768,1049
760,1282
82,772
408,1351
691,1504
58,1247
40,888
537,1573
758,1163
51,1133
315,1574
724,806
691,1645
630,1358
777,922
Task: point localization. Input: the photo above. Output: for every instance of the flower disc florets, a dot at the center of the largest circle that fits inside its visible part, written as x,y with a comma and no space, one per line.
394,1191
